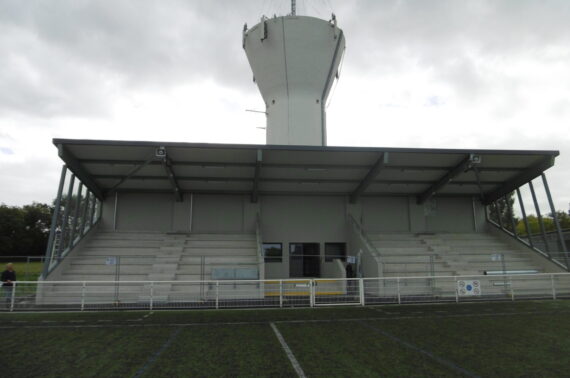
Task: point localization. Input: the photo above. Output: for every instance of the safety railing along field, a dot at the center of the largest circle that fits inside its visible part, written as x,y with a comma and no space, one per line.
117,295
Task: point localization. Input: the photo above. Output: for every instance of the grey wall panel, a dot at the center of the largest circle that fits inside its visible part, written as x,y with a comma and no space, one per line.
145,212
385,214
181,215
451,215
301,219
218,214
107,214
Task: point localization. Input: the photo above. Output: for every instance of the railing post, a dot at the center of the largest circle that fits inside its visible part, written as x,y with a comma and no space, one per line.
398,288
361,290
553,287
456,291
13,296
280,293
512,289
312,293
151,300
217,295
83,296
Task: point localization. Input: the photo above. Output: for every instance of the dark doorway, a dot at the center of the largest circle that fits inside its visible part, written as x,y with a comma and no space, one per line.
304,260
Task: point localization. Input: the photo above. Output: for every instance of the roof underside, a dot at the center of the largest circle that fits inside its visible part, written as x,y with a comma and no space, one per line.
267,169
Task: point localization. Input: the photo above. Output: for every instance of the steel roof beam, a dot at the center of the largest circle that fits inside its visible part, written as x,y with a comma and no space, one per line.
167,164
370,177
442,182
257,176
295,180
130,174
523,178
307,166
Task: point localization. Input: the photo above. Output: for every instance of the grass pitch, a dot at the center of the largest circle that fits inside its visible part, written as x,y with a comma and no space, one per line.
483,339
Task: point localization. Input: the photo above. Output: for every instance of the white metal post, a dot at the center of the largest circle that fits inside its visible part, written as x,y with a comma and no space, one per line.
13,296
512,290
398,288
280,293
456,291
217,294
553,287
312,293
151,302
361,290
83,296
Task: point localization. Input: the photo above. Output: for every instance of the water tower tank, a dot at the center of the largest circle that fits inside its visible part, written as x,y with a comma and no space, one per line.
294,60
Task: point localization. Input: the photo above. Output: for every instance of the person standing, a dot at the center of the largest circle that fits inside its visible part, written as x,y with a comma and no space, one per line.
350,282
8,278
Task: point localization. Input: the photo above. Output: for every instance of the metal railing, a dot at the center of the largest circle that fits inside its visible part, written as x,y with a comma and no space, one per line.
259,246
359,240
151,295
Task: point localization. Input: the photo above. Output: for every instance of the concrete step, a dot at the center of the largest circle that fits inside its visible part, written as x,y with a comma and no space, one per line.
222,237
221,244
217,251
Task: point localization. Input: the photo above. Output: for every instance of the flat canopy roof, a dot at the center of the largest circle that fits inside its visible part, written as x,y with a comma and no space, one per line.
106,167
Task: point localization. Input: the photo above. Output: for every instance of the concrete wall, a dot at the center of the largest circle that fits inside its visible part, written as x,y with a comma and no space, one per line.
290,219
403,214
301,219
196,213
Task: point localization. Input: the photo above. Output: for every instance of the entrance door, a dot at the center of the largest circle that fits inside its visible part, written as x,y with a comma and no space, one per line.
304,260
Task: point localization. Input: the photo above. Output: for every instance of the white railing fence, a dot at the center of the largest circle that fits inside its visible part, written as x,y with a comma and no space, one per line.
116,295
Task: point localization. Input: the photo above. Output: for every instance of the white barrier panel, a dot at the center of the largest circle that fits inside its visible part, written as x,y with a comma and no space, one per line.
117,295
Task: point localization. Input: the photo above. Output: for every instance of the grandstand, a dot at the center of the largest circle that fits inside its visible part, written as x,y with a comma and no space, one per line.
295,208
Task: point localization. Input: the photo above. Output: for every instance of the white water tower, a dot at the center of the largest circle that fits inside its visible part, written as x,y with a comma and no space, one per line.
294,60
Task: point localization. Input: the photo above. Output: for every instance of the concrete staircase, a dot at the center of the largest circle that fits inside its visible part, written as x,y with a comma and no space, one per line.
447,254
148,256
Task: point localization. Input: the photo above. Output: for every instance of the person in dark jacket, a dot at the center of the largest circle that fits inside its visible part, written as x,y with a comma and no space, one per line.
8,278
350,287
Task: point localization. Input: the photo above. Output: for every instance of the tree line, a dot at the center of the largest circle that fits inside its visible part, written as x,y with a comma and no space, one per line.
504,210
24,230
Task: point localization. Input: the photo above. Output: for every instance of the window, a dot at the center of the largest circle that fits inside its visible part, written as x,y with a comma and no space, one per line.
273,252
335,251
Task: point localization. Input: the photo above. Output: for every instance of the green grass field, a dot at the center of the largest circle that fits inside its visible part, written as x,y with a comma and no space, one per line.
522,339
26,271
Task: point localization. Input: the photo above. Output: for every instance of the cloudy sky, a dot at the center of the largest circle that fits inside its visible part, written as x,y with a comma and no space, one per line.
446,74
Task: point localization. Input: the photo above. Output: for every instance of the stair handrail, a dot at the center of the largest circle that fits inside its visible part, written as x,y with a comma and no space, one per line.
363,236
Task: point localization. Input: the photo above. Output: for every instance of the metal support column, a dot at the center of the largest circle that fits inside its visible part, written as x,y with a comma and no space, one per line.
75,216
92,215
540,220
498,210
54,218
84,215
511,217
66,215
525,219
556,222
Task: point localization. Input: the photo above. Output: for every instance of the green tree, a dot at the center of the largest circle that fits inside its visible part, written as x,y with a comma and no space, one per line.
501,208
24,231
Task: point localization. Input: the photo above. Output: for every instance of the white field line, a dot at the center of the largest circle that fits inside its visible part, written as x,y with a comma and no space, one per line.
108,323
408,345
152,359
288,352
